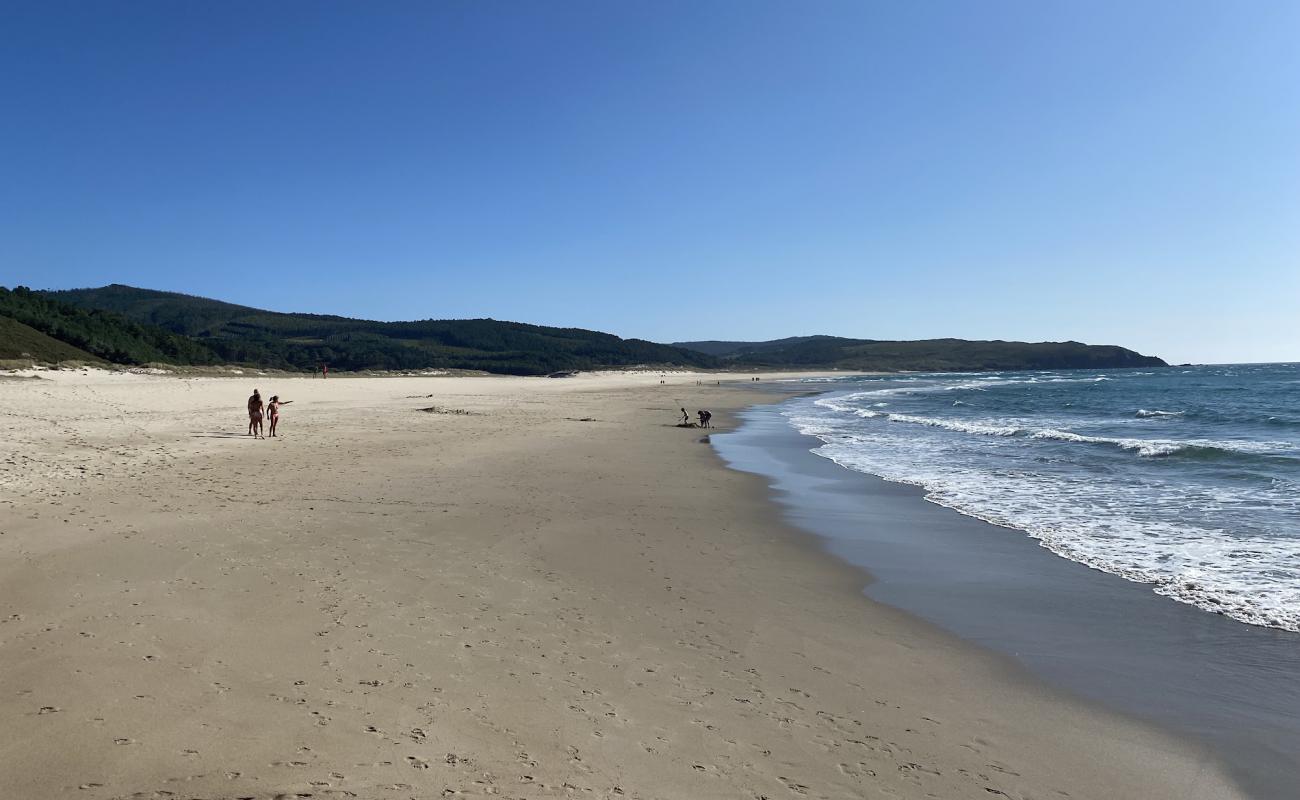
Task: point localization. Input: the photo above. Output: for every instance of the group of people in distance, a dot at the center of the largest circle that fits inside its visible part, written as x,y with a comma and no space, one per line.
257,409
706,419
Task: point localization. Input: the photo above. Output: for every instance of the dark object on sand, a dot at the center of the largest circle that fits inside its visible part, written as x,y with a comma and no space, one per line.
440,410
568,373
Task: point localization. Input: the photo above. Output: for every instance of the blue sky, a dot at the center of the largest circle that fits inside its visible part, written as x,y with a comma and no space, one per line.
1123,173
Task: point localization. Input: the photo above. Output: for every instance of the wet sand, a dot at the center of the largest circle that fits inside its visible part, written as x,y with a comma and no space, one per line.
556,594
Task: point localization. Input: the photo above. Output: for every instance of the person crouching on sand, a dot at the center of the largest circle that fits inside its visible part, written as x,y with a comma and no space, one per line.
273,411
255,414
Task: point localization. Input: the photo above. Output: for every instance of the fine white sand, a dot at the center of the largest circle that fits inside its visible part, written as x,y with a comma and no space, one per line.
557,594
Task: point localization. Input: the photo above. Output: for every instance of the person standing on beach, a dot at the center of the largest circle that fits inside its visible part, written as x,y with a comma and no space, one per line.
686,418
273,411
255,414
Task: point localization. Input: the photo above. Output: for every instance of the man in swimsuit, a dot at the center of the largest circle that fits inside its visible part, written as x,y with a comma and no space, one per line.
273,411
255,414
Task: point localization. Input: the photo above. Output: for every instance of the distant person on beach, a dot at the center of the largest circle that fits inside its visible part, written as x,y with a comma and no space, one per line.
255,414
273,411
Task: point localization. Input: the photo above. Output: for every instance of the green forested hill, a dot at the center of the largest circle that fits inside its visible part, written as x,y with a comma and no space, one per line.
239,334
102,334
928,355
124,324
20,341
726,349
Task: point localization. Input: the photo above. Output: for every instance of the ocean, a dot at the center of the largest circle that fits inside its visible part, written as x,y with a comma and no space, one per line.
1183,478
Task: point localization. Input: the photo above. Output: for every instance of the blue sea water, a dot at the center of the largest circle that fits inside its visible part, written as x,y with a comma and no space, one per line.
1187,478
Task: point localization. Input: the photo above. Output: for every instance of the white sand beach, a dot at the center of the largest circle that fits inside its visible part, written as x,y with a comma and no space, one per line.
554,594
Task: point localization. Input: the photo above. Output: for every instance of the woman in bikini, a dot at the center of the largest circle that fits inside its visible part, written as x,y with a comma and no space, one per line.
273,410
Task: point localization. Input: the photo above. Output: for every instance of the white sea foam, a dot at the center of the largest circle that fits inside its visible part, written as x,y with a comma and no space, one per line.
1254,580
982,428
1164,447
1186,539
1142,412
1143,447
846,402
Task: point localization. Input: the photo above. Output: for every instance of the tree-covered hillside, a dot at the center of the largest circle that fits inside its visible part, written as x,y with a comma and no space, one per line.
127,325
102,334
19,341
929,355
725,349
239,334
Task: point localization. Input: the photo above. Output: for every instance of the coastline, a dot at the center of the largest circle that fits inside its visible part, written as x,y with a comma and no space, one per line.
1096,636
555,593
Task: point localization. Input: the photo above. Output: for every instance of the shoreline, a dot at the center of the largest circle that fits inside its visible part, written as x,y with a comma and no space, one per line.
1097,637
555,593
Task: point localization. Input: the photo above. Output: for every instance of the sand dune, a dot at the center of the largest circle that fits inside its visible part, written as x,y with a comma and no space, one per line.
557,594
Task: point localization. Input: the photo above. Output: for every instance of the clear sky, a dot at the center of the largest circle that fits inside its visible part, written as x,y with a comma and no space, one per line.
1112,172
